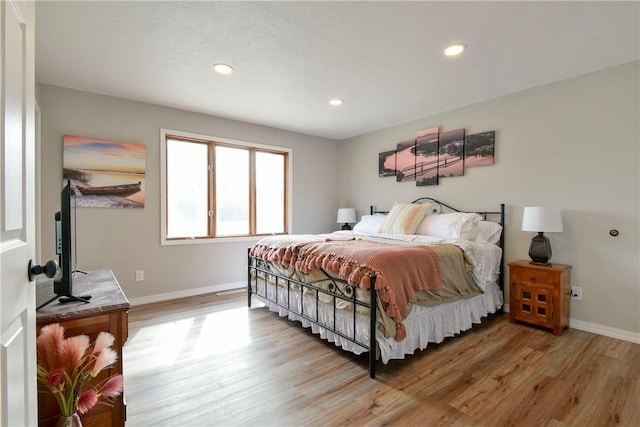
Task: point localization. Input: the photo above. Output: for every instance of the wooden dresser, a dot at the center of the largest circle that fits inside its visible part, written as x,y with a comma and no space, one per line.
107,311
540,294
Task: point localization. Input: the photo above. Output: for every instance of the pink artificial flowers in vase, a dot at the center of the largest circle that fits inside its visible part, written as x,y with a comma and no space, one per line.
67,367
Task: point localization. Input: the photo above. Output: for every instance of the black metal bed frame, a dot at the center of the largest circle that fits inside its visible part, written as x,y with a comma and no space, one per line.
258,265
339,289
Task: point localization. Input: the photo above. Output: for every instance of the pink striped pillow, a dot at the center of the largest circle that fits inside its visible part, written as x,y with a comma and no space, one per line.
404,218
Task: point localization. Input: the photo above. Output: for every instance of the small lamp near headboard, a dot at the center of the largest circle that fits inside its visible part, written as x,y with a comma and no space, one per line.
541,220
346,216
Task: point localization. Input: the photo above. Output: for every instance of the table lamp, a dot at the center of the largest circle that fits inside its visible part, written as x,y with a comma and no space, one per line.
346,216
541,220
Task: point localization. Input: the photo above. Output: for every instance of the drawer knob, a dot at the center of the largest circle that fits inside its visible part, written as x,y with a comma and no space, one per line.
533,280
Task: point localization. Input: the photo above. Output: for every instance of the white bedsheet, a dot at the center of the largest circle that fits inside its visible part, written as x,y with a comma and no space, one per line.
424,324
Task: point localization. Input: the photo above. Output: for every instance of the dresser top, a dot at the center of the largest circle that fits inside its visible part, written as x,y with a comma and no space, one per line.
105,291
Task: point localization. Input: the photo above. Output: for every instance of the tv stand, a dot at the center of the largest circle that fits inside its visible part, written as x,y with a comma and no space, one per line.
62,299
71,298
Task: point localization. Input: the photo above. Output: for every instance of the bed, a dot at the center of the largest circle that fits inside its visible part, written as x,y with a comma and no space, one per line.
416,274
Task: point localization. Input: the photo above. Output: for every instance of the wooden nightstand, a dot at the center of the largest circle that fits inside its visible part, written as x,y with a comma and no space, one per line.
540,294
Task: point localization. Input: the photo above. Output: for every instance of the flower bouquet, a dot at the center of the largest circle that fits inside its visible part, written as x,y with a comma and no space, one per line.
67,366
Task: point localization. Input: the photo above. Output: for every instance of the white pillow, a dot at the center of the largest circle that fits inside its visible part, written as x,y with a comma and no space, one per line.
404,218
456,225
369,223
488,231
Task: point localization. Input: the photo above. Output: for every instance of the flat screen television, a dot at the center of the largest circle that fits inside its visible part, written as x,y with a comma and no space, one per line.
63,284
64,228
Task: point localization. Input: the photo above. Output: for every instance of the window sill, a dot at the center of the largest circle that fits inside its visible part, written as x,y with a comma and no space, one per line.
178,242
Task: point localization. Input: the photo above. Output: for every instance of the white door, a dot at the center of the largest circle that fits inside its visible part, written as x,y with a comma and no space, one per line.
18,395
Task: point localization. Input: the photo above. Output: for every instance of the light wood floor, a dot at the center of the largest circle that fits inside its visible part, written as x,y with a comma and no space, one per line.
210,361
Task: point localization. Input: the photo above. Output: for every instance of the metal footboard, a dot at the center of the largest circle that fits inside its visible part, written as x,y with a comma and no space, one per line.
337,289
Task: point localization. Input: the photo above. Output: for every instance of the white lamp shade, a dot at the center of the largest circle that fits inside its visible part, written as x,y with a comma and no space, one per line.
542,219
346,215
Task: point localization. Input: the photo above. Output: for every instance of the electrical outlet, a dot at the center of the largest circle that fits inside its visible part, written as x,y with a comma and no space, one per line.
576,293
139,275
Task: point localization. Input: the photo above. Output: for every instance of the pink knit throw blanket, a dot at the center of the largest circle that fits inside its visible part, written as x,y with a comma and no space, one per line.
401,270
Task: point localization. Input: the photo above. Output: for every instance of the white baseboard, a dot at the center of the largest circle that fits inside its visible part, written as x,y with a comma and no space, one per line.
607,331
187,293
595,328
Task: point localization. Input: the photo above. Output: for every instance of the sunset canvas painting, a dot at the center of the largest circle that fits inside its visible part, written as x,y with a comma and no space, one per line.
451,153
479,149
434,155
387,163
427,157
105,173
406,161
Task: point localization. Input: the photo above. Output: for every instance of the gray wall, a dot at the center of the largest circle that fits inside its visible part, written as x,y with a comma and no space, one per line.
573,144
126,240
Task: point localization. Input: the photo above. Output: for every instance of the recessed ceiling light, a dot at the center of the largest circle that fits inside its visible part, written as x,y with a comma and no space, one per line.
454,49
335,102
223,68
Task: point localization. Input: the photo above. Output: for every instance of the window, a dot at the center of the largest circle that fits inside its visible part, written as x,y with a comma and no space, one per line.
216,188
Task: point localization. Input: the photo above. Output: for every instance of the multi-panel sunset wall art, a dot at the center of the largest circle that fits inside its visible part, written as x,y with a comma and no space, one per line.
433,155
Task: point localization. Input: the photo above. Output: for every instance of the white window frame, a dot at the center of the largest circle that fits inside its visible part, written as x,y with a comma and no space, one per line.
163,186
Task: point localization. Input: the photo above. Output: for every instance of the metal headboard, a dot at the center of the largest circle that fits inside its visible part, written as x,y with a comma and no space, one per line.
439,206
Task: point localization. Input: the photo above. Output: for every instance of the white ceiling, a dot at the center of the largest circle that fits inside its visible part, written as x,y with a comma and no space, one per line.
383,58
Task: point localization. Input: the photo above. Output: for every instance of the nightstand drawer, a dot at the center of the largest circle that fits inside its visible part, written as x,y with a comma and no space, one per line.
529,275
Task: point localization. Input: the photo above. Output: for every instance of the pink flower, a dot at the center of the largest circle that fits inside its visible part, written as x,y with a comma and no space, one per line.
113,387
71,350
48,341
55,377
104,340
67,367
106,358
87,400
